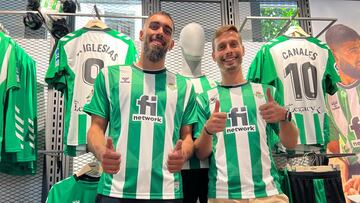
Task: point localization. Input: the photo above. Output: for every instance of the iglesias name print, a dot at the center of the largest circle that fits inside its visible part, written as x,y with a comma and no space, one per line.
102,48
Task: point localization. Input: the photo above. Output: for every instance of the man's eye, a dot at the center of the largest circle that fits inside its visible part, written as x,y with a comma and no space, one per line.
167,30
154,26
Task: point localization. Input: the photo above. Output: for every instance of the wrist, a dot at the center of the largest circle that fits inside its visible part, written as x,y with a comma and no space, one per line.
207,131
288,116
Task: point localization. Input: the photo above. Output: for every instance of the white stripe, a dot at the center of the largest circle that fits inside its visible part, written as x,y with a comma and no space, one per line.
243,152
124,98
265,155
187,94
17,109
30,122
171,101
4,66
146,144
19,128
22,146
31,129
32,145
31,137
197,85
354,103
18,119
19,136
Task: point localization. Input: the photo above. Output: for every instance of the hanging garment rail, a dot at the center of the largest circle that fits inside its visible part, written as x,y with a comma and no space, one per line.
72,14
332,21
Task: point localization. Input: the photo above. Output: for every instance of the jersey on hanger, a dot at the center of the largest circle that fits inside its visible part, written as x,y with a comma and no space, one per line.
77,60
302,70
201,84
145,110
241,165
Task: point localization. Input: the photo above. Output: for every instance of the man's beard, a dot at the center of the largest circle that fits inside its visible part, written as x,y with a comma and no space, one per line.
349,70
154,54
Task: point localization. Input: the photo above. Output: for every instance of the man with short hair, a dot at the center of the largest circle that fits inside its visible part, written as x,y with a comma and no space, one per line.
150,112
236,122
344,105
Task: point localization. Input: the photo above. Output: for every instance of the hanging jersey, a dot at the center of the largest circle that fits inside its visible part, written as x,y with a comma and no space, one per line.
8,77
77,60
302,70
344,108
51,5
145,110
201,84
73,191
241,165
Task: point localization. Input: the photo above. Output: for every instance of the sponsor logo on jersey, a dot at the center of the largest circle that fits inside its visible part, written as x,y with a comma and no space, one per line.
302,109
147,109
172,86
239,121
125,79
212,100
355,127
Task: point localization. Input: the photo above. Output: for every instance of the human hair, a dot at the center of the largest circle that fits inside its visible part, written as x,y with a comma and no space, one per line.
221,30
163,13
339,34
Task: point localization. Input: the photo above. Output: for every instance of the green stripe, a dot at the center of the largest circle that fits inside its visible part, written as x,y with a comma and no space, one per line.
212,161
82,129
254,142
194,162
318,132
319,189
133,145
344,104
204,84
300,124
178,117
232,162
156,184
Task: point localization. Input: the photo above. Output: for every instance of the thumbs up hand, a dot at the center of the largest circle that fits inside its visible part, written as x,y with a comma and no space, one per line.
110,159
176,159
272,112
217,121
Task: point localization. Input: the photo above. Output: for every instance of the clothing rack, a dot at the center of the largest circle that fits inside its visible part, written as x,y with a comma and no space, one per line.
9,12
332,21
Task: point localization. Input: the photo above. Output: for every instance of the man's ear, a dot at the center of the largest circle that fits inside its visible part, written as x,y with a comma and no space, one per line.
141,35
172,43
213,56
336,56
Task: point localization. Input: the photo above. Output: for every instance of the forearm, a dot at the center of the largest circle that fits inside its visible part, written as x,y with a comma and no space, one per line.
187,148
96,141
288,134
203,145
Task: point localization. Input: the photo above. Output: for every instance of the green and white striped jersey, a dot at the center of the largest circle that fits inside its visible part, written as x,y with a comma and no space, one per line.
8,76
344,109
302,70
77,60
72,191
241,165
52,5
145,110
201,84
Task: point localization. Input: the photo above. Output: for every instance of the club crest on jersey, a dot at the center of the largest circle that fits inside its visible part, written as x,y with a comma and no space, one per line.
259,94
239,121
212,100
335,105
147,109
172,86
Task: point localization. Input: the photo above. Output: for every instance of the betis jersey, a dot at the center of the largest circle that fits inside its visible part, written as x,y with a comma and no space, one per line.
241,165
302,70
146,111
344,108
73,191
8,77
77,60
201,84
52,5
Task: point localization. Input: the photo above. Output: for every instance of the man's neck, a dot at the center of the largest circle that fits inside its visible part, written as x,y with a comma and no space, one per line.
191,68
146,64
232,78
